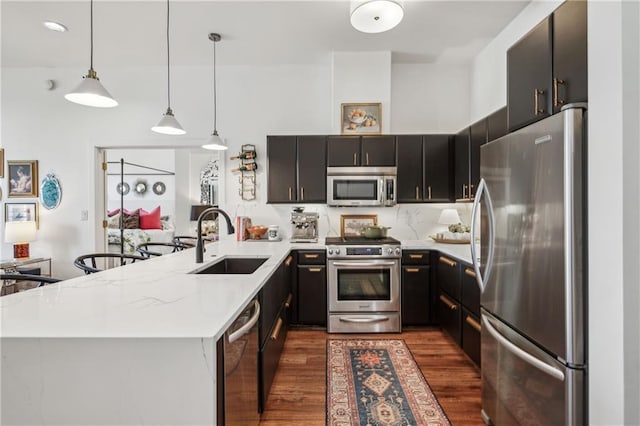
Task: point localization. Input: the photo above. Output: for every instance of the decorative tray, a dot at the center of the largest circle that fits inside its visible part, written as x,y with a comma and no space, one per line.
448,241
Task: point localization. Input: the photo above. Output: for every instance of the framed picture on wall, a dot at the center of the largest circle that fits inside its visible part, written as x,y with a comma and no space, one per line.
21,212
1,162
363,118
23,178
352,225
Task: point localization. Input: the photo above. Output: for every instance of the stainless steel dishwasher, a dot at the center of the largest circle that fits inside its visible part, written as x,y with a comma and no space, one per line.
239,386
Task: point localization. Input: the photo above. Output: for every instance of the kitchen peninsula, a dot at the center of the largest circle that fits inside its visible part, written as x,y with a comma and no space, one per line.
135,344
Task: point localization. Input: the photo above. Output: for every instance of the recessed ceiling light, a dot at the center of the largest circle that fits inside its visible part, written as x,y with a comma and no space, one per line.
54,26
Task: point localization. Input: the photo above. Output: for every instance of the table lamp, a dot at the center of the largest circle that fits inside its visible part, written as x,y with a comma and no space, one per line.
449,217
20,234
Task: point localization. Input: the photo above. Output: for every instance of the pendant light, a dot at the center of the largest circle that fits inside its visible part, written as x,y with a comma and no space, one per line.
375,16
215,142
90,91
168,125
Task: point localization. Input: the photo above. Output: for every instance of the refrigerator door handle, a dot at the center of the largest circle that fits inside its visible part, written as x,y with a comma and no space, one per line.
482,189
522,354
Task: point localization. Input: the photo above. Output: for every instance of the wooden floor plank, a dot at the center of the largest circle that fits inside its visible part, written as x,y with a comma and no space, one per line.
298,393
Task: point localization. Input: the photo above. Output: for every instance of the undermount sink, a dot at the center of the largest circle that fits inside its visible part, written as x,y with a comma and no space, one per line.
234,265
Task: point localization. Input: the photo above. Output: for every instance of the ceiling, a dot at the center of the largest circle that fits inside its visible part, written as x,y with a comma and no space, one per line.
133,33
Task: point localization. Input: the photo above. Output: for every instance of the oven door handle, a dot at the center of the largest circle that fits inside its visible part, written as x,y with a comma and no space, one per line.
366,264
376,318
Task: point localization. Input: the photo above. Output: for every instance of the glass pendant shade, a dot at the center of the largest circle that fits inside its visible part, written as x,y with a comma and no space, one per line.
91,92
215,143
376,16
168,125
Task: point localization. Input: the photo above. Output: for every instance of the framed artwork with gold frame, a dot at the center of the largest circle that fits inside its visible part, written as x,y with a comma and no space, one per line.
23,178
1,162
351,225
361,118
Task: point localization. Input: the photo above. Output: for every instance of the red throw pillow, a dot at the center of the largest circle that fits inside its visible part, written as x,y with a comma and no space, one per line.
150,220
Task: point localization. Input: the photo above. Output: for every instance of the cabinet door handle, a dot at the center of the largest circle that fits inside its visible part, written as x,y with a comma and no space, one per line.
444,299
355,159
473,323
412,269
536,106
470,272
287,304
290,194
447,261
367,155
470,191
302,193
315,269
415,256
417,192
429,191
556,97
464,191
276,330
288,261
311,256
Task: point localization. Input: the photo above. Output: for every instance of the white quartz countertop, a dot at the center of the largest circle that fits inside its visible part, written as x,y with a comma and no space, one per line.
158,297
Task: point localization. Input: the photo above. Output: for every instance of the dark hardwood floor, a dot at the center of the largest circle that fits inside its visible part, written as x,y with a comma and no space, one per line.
299,388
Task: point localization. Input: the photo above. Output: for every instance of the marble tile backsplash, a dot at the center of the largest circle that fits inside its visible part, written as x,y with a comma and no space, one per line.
407,221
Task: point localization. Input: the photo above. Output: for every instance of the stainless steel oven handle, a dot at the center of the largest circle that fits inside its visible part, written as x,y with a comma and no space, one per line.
377,318
245,328
366,264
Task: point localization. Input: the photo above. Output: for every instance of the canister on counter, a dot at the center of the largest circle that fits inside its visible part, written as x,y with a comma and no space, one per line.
273,233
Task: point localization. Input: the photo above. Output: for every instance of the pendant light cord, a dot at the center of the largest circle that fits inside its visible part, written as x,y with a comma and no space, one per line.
215,128
91,20
168,61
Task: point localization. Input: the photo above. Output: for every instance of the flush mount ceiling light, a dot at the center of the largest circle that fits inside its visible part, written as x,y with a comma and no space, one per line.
168,124
54,26
90,91
215,142
376,16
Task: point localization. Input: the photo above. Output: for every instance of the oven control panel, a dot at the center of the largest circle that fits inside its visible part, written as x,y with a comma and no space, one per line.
386,251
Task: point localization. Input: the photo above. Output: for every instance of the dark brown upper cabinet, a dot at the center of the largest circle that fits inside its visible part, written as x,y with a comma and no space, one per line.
461,165
348,151
297,169
529,77
497,125
424,168
547,68
569,54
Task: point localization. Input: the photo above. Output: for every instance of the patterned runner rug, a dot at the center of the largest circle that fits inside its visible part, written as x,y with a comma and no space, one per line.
377,383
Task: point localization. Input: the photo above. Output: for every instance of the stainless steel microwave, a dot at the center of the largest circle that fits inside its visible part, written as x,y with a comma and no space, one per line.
361,186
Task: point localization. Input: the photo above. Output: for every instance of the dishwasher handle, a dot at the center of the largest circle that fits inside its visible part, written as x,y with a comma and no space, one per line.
245,328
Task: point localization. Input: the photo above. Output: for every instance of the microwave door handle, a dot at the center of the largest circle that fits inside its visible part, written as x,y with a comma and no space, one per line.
382,191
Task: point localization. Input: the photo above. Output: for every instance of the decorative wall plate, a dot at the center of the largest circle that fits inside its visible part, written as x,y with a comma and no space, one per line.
123,188
140,187
50,192
159,188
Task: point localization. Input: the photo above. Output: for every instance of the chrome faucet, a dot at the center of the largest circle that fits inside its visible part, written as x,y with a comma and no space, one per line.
199,245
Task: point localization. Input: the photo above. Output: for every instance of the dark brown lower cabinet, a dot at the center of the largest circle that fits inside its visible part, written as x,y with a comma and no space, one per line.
311,288
471,335
416,295
450,316
416,291
269,356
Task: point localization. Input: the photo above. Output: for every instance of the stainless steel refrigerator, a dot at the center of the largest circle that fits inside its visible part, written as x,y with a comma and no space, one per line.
531,204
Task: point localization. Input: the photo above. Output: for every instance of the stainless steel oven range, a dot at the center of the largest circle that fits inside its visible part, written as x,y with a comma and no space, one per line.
363,285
